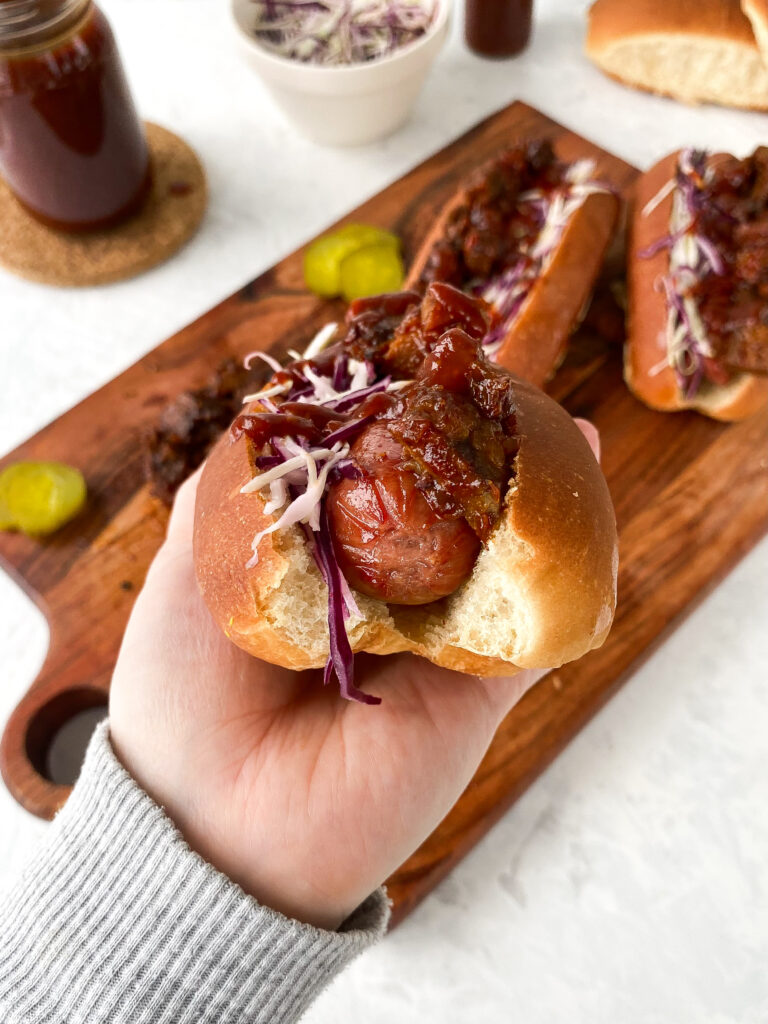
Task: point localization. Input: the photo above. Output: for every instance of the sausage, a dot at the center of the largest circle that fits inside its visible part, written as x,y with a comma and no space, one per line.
389,543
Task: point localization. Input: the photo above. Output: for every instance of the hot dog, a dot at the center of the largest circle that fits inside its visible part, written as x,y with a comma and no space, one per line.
527,233
434,470
396,491
389,542
698,285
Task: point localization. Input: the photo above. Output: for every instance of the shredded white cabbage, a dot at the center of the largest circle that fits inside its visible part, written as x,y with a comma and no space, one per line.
660,196
320,341
398,385
360,375
306,469
276,389
337,32
686,255
265,357
256,483
324,390
278,495
691,256
306,507
507,292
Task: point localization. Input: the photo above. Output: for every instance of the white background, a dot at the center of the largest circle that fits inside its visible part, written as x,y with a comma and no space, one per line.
630,884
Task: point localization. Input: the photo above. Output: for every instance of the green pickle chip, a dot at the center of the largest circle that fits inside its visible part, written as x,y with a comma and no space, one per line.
6,519
370,271
323,258
367,234
39,497
322,262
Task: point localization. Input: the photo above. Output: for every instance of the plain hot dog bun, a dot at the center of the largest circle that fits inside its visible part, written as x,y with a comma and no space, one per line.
757,12
541,593
697,51
535,344
645,369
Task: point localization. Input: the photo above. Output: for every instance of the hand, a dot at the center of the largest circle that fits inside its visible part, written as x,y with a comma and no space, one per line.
307,801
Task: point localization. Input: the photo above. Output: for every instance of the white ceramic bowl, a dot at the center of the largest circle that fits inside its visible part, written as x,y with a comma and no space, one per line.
349,105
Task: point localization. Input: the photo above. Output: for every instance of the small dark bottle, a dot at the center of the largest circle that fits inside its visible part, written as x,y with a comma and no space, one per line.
72,148
498,28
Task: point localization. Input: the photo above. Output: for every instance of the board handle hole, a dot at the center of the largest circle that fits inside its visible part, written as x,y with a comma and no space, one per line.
59,732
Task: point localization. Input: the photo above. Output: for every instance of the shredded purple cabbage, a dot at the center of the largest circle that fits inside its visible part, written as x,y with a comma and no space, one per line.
268,461
341,660
336,32
691,373
508,291
341,378
333,371
348,431
690,178
665,242
350,401
347,469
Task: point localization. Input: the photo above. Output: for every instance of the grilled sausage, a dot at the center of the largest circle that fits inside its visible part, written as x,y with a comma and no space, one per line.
389,542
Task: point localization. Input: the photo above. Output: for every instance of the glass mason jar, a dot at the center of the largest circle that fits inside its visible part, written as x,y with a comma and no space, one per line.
72,148
498,28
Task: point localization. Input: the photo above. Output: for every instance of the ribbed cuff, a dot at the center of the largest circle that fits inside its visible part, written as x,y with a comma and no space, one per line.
118,920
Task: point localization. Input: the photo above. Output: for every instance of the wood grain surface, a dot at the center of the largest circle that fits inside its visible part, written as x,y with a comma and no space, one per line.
691,498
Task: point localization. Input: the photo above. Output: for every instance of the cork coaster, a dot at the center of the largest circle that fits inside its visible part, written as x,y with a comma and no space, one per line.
168,219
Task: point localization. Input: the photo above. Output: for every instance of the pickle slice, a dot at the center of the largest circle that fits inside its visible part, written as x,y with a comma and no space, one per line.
39,497
7,521
322,262
370,271
323,258
367,234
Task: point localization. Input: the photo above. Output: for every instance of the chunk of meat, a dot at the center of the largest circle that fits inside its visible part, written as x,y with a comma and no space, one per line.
747,349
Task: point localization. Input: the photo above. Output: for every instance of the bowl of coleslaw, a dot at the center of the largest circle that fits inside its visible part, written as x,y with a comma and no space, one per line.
343,72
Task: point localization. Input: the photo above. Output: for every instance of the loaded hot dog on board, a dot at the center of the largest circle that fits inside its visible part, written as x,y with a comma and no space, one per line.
523,214
393,490
698,285
527,234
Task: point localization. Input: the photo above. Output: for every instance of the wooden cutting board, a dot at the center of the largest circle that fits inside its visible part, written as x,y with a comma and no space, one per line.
691,498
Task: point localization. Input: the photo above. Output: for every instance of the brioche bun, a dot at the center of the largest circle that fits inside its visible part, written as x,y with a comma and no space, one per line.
542,592
535,344
645,369
697,51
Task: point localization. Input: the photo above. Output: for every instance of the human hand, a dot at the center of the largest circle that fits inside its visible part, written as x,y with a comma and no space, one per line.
306,800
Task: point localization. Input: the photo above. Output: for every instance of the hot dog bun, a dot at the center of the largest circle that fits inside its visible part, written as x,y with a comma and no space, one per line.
645,369
757,12
535,345
697,51
541,593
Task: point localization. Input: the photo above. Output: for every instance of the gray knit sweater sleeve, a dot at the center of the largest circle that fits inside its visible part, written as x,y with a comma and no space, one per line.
117,920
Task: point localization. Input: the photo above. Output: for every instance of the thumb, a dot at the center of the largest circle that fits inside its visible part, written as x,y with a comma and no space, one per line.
590,431
175,553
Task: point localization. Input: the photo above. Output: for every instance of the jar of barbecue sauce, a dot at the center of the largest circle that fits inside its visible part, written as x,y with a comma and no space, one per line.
72,148
498,28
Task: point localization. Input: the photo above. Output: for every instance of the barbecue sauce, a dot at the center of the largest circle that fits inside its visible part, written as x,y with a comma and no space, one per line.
490,230
71,146
498,28
733,305
454,422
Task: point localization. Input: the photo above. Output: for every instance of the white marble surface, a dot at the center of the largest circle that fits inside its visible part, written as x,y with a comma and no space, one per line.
630,884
